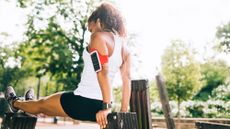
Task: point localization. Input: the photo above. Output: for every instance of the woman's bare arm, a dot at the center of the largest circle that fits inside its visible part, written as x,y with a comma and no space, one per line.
126,80
97,42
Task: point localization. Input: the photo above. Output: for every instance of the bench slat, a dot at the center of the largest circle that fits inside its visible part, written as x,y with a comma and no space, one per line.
209,125
120,120
18,121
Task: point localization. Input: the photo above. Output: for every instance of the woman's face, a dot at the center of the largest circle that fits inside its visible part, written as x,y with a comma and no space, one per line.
94,26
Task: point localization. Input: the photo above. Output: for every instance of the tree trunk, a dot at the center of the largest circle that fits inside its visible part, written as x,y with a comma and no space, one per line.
38,87
179,102
47,89
16,82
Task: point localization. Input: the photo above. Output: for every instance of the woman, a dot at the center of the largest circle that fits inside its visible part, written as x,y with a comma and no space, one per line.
103,58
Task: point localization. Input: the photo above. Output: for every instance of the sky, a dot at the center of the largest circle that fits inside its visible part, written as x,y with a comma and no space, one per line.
156,22
159,21
12,20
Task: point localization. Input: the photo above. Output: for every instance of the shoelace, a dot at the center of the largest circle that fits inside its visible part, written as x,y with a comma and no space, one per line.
13,97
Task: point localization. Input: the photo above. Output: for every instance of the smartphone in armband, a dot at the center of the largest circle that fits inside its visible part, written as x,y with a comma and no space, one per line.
96,61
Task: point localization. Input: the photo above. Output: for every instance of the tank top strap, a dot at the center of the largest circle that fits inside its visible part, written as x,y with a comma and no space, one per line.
117,46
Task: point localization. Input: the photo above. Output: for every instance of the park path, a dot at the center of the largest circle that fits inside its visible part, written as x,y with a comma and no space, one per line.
47,124
73,126
67,126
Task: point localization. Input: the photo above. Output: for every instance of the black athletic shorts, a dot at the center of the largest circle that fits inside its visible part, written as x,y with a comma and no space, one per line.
80,108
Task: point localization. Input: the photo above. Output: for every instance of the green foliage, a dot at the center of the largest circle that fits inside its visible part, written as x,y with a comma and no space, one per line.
214,74
208,109
10,74
47,51
3,106
56,40
223,34
156,109
154,94
196,109
222,92
181,71
117,94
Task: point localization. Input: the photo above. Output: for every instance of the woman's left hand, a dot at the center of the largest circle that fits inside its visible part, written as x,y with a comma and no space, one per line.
101,117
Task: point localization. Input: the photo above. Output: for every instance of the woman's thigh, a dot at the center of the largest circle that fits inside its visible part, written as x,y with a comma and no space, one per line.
80,108
51,105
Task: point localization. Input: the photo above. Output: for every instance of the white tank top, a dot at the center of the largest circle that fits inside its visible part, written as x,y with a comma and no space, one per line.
89,86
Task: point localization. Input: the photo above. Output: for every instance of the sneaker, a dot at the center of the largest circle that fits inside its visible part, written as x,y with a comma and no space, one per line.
11,97
29,95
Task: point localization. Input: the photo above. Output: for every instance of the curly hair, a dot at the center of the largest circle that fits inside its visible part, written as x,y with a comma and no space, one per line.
110,18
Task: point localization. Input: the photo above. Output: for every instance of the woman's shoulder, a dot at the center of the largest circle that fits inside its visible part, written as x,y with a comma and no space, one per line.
102,36
98,42
98,35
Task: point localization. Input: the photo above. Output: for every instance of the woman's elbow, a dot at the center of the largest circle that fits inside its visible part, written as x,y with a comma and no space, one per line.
104,71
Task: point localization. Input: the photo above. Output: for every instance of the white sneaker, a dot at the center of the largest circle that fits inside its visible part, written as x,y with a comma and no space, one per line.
11,97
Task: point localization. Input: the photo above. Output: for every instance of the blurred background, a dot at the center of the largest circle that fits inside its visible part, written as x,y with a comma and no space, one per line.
188,42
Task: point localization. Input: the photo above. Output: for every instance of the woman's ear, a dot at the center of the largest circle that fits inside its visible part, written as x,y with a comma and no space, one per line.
98,22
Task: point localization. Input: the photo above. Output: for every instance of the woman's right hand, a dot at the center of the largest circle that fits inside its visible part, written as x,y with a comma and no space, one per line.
101,117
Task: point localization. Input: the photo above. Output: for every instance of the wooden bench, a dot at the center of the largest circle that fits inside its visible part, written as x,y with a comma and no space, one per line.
140,103
18,121
138,118
116,120
119,120
210,125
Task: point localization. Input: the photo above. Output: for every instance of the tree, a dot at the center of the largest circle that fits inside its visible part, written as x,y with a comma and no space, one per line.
56,47
223,35
10,67
181,72
47,52
214,74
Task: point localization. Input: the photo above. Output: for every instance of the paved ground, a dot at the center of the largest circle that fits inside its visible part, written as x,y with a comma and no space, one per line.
79,126
47,124
67,126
